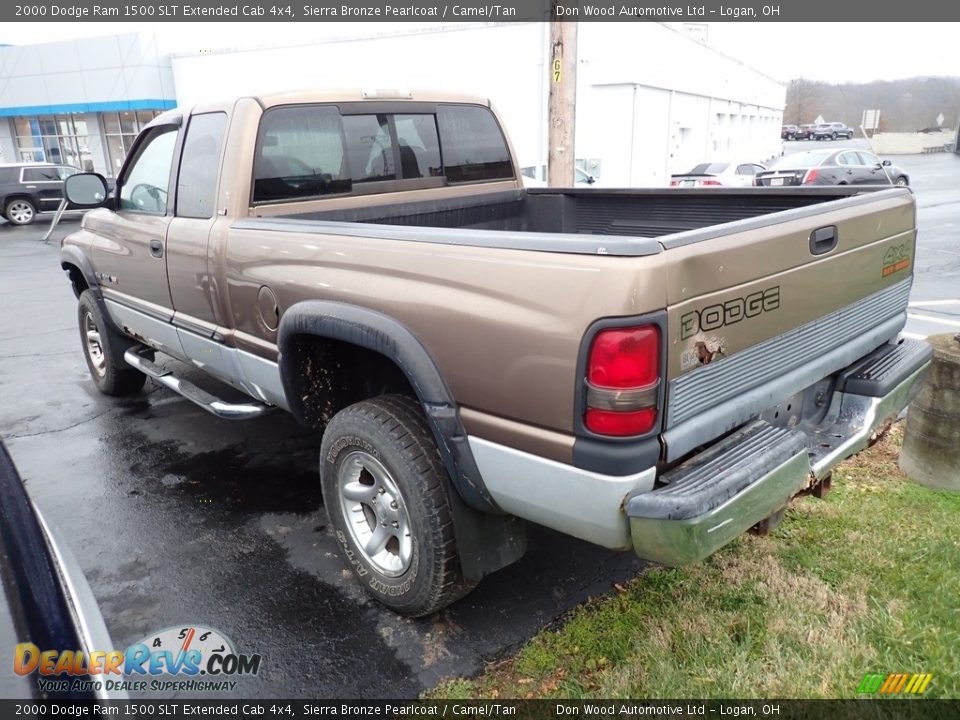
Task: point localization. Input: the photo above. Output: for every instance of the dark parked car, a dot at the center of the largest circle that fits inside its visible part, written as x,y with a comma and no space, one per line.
30,188
789,132
832,131
845,166
805,132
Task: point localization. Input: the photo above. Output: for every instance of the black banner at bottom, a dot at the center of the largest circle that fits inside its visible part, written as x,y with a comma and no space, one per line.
865,709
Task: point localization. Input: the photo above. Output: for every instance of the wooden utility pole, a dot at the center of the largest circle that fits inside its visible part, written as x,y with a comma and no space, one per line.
561,105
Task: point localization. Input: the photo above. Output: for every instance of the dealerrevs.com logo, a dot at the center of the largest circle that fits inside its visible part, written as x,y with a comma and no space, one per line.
187,658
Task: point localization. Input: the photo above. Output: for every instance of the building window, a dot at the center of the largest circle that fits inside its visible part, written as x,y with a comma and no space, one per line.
60,139
120,130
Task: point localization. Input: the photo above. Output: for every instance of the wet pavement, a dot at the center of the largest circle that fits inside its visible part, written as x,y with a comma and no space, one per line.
179,518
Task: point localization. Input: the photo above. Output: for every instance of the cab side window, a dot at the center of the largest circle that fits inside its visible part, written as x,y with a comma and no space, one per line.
146,182
200,165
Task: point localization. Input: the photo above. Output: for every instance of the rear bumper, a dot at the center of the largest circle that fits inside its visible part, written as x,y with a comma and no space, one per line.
712,498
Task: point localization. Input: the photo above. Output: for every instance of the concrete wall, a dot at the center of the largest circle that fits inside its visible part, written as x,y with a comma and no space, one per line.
912,143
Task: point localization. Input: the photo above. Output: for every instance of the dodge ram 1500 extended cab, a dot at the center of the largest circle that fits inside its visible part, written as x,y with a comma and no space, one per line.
655,369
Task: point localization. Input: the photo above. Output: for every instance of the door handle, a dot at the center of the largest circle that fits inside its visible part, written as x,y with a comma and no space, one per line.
156,248
823,240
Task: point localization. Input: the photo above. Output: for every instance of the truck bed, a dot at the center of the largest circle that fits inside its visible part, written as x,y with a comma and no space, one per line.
626,217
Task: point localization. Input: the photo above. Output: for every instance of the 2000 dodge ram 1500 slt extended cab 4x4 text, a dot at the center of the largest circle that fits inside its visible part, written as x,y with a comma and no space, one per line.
655,369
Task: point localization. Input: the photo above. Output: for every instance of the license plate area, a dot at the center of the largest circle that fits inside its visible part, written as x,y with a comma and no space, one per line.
804,408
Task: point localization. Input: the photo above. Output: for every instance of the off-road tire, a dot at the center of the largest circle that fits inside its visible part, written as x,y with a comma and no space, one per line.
393,430
111,373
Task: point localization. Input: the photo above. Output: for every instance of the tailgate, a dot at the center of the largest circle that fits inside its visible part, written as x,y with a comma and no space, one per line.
760,309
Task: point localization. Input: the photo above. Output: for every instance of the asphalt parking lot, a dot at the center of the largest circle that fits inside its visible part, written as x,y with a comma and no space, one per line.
179,518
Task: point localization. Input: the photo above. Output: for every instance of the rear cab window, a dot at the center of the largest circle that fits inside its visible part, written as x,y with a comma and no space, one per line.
311,151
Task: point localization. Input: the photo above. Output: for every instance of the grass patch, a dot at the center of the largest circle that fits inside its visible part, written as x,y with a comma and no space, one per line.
866,580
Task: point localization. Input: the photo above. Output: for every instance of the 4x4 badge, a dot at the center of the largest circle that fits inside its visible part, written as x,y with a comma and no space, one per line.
897,258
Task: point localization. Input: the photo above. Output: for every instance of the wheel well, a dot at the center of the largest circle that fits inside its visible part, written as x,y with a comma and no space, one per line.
77,281
18,196
331,374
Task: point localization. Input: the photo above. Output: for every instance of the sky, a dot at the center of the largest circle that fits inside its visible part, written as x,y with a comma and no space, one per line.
817,51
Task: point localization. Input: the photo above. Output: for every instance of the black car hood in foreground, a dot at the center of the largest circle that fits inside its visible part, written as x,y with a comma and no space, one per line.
46,600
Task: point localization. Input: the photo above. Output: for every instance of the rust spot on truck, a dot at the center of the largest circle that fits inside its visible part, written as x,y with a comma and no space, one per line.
707,351
703,350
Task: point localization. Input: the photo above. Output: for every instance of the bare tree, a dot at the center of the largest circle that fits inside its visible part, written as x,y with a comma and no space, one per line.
802,100
907,105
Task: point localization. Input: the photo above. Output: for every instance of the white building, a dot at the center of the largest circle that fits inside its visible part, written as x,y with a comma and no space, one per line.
651,100
80,102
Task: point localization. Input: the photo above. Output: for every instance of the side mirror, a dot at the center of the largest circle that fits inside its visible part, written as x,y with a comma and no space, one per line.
86,190
887,163
591,179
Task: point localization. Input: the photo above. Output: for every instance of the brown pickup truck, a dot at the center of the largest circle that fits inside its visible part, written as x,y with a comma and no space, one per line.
655,369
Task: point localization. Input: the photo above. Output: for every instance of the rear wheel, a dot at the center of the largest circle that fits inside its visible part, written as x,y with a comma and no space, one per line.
103,349
20,211
833,137
386,493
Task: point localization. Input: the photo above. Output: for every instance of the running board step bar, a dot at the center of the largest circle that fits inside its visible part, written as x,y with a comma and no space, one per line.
881,371
210,403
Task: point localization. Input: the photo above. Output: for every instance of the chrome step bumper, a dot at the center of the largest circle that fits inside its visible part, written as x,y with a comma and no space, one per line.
210,403
715,496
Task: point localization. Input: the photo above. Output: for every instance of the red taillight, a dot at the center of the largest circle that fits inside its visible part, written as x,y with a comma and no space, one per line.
809,177
674,183
608,422
625,357
623,375
712,183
